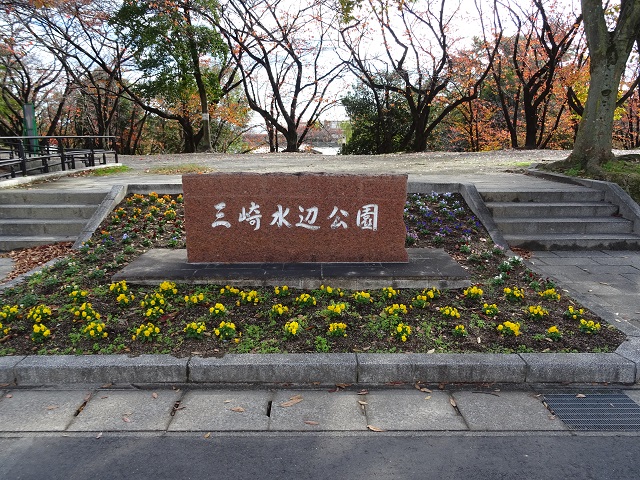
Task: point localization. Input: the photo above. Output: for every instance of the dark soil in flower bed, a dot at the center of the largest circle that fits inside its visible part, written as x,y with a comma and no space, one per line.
277,321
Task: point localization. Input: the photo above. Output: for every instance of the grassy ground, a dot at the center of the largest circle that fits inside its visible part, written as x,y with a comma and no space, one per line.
74,308
623,170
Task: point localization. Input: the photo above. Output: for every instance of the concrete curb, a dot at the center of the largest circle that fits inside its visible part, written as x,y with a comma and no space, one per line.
275,368
65,369
325,369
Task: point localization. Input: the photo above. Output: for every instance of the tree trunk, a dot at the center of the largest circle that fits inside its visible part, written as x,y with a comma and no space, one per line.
594,139
202,90
609,52
292,140
420,138
531,125
190,142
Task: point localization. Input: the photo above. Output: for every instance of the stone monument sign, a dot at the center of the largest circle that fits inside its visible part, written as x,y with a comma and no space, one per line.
294,218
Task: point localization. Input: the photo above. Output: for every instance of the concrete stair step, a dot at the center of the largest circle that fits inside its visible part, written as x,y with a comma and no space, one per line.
551,209
566,225
572,194
47,212
12,242
51,197
31,227
602,241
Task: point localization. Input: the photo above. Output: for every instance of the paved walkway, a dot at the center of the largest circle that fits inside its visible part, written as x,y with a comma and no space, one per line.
348,409
607,282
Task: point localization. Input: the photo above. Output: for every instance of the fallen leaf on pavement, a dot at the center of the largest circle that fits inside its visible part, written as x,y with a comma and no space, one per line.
311,422
99,435
343,385
292,401
8,395
27,259
361,402
4,384
363,392
237,409
106,385
154,395
374,429
207,435
421,388
428,397
581,395
453,403
126,419
227,401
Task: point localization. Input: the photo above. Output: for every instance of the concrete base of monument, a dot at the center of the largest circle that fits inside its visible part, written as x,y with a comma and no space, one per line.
427,267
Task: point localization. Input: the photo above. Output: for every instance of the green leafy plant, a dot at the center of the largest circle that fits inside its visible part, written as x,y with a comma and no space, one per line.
402,332
95,330
305,300
449,312
474,292
226,331
553,333
40,333
321,345
537,312
291,329
459,331
147,332
282,291
509,328
195,330
514,294
337,330
589,326
278,310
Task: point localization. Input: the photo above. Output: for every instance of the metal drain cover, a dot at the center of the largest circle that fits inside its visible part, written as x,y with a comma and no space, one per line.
597,412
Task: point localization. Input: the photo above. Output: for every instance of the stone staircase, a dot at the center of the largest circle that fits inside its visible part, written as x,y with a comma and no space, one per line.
575,218
38,217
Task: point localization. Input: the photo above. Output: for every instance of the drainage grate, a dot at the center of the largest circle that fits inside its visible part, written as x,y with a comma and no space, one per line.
596,412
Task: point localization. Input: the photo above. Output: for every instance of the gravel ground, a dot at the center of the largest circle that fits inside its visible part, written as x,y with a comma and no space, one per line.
444,163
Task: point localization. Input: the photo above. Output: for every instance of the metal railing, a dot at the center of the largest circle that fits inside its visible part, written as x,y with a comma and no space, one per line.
22,156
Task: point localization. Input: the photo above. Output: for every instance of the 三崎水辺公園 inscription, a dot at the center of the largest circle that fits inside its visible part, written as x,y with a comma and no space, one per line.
366,218
248,218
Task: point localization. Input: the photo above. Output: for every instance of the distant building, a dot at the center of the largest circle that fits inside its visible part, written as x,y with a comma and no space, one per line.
326,137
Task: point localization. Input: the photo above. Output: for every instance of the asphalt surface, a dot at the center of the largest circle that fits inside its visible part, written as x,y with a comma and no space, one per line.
450,457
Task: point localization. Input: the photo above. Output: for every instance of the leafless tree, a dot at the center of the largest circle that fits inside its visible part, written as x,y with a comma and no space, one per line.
25,78
525,73
285,54
419,47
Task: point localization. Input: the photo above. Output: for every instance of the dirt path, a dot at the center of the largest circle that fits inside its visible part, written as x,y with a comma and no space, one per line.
442,163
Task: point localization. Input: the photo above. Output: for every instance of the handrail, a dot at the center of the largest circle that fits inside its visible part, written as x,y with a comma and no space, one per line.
42,154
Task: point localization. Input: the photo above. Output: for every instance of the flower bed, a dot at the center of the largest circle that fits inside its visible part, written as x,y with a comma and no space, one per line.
74,308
